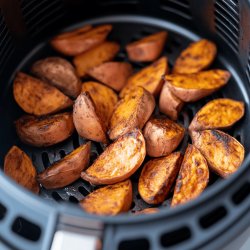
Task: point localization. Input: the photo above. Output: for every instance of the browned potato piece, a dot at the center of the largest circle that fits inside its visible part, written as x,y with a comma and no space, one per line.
196,57
119,161
78,41
191,88
19,167
157,178
132,111
150,78
193,177
162,136
67,170
113,74
223,153
218,114
94,57
60,73
37,97
109,200
148,48
150,210
45,131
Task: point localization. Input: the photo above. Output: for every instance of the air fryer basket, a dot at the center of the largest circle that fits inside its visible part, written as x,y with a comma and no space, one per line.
28,222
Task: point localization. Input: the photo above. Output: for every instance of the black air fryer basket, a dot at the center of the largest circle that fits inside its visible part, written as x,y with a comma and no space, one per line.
29,222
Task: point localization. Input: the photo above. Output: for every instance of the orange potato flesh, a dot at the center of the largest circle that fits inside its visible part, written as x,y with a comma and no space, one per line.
193,177
157,177
119,161
150,210
109,200
223,153
196,57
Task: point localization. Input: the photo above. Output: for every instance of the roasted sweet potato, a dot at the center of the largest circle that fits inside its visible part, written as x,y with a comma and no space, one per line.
148,48
19,167
94,57
80,40
223,153
109,200
113,74
37,97
60,73
45,131
157,178
191,88
67,170
218,114
150,210
119,161
150,78
132,111
196,57
193,177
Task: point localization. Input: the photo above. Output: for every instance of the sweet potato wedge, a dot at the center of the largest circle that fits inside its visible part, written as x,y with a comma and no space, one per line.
119,161
196,57
150,210
218,114
157,178
67,170
162,136
148,48
37,97
223,153
150,78
94,57
80,40
113,74
44,131
132,111
19,167
191,88
193,177
59,73
109,200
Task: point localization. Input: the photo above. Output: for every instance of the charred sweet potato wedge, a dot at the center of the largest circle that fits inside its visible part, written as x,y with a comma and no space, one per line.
223,153
37,97
196,57
119,161
157,178
148,48
109,200
150,210
193,87
67,170
193,177
132,111
19,167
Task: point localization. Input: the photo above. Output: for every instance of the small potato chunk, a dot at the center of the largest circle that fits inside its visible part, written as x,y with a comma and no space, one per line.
94,57
45,131
157,178
80,40
223,153
218,114
196,57
67,170
19,167
109,200
150,210
132,111
162,136
113,74
150,78
119,161
37,97
193,177
148,48
59,73
193,87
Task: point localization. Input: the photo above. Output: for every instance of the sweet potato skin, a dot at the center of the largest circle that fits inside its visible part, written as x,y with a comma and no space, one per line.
150,210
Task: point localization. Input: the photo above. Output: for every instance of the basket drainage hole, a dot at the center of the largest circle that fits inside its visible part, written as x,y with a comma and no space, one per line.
56,196
132,205
73,199
83,191
241,194
3,211
135,244
45,159
62,154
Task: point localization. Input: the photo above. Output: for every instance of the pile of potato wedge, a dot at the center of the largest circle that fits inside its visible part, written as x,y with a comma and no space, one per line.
134,114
